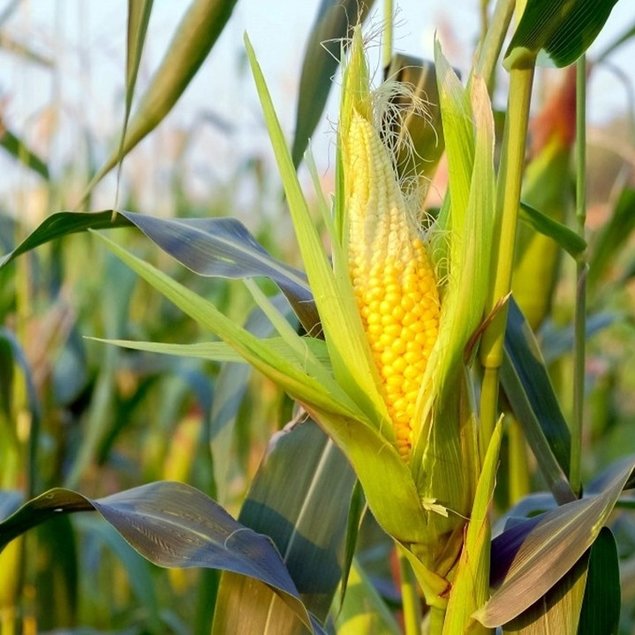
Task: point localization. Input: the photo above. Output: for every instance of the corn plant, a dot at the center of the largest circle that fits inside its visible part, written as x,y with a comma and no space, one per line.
392,344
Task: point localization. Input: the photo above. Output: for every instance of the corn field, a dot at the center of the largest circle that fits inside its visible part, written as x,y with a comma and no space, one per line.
380,385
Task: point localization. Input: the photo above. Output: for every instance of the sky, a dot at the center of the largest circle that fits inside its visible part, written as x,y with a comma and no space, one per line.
87,42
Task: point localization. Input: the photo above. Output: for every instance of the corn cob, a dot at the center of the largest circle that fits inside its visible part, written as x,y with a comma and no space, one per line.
393,279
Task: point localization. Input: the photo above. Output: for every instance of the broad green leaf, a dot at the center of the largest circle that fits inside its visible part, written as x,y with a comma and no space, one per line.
532,556
363,612
333,294
299,497
611,238
526,383
571,242
602,596
172,525
563,28
329,36
21,152
356,513
470,587
210,247
194,38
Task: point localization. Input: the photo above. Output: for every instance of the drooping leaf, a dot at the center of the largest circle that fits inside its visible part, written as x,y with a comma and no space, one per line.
194,38
328,38
210,247
299,497
526,383
531,556
172,525
563,28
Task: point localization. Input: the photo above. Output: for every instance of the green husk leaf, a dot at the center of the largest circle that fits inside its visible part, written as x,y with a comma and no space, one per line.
333,294
322,393
470,587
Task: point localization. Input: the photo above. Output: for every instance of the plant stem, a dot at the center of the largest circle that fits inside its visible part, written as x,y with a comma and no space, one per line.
409,597
507,205
492,42
579,351
386,55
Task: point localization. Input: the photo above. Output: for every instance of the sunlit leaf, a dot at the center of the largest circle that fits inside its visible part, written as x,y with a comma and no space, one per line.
530,557
563,28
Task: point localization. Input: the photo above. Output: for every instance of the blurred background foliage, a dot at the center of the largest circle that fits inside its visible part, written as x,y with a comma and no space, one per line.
102,419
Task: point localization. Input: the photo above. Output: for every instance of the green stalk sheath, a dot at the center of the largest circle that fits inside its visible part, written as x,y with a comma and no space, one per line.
579,351
410,601
507,203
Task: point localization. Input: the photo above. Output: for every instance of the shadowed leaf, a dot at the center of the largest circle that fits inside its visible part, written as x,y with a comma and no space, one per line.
529,391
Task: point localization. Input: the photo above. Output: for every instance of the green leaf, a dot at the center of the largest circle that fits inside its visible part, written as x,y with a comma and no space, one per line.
571,242
21,152
558,611
328,38
530,557
195,36
333,294
602,597
172,525
208,246
563,28
321,391
299,497
138,17
528,388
